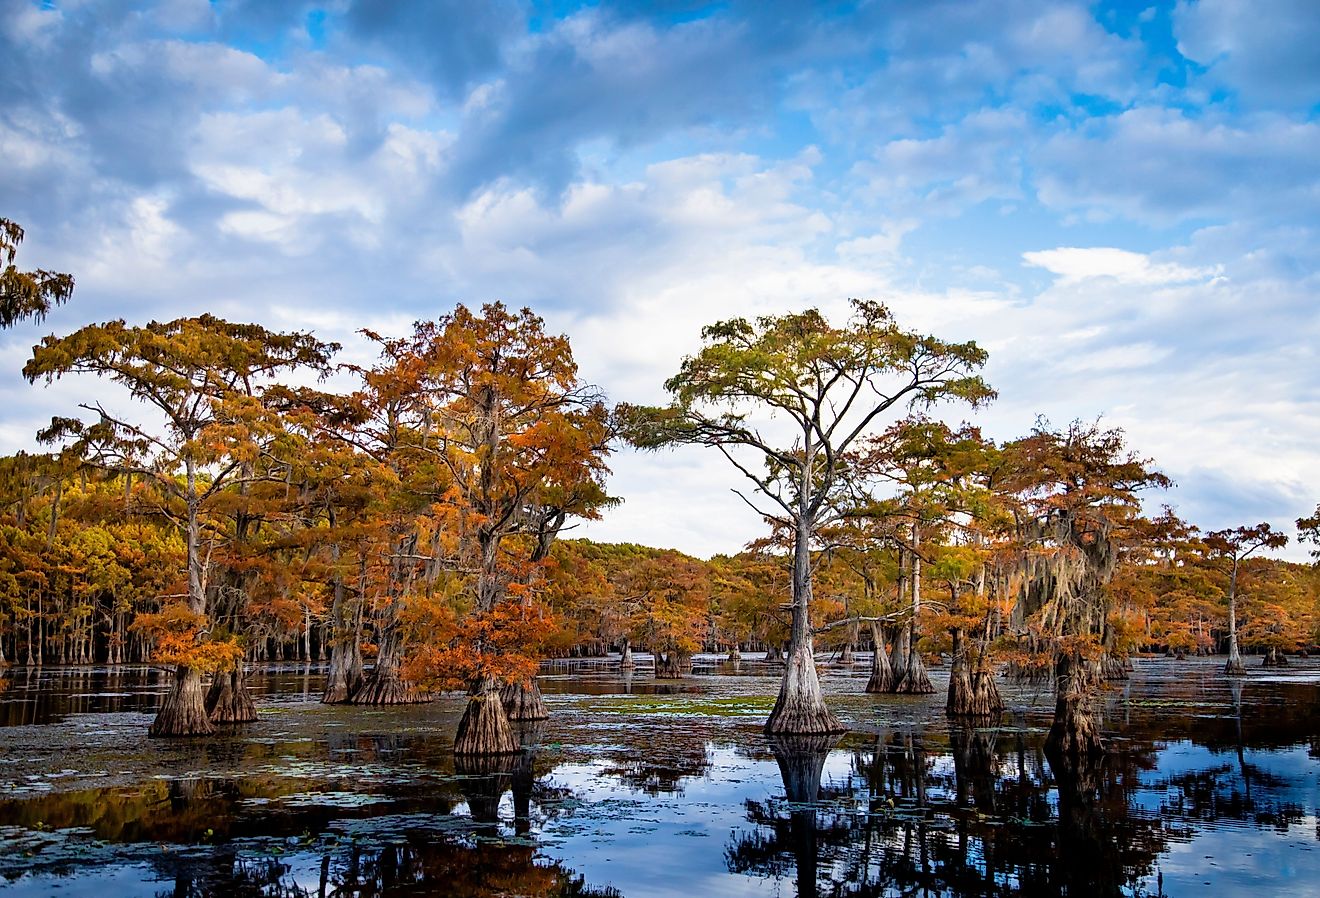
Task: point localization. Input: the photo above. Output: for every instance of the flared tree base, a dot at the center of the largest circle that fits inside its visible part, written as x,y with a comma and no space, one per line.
1113,667
485,729
881,680
800,708
523,701
1274,658
184,710
1235,668
229,701
386,689
915,681
342,682
975,695
672,665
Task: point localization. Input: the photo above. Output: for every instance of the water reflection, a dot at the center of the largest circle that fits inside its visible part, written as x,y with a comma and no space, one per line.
1207,781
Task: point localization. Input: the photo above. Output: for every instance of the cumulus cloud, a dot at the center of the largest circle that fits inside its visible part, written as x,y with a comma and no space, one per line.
636,171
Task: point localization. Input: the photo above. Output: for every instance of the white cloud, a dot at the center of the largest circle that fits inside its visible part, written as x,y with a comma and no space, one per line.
1074,264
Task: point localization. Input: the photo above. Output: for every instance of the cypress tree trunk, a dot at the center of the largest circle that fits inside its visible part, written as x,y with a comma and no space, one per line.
184,710
1234,666
345,675
972,689
484,729
882,675
523,701
914,679
385,684
800,707
229,701
672,665
626,661
1074,738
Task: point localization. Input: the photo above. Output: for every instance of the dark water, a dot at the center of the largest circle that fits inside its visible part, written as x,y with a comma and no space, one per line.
640,788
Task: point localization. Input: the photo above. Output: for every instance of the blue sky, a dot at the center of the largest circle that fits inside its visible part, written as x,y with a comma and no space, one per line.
1120,201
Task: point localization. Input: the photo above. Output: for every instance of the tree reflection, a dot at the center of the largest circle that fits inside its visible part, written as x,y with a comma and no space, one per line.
976,819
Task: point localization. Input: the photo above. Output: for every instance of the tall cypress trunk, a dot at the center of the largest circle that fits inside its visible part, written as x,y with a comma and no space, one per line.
345,632
914,679
1234,665
972,688
800,707
184,711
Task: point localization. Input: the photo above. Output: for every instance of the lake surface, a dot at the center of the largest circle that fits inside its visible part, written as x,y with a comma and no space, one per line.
645,788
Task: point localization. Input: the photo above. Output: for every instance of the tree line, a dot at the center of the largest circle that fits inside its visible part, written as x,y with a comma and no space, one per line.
407,524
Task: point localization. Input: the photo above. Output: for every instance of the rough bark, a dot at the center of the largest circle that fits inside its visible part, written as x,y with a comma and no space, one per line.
882,675
184,710
800,708
228,700
1112,667
915,680
523,701
901,657
484,729
345,675
1074,738
385,684
973,691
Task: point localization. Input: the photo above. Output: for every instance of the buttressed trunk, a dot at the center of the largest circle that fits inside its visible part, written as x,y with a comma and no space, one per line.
345,675
914,679
1234,665
184,710
484,729
672,664
882,675
972,688
385,684
1074,737
523,701
228,701
800,707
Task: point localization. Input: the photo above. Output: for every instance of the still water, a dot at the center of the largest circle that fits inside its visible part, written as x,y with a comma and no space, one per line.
645,788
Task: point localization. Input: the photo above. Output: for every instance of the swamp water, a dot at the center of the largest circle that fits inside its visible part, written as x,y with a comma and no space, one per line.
642,788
